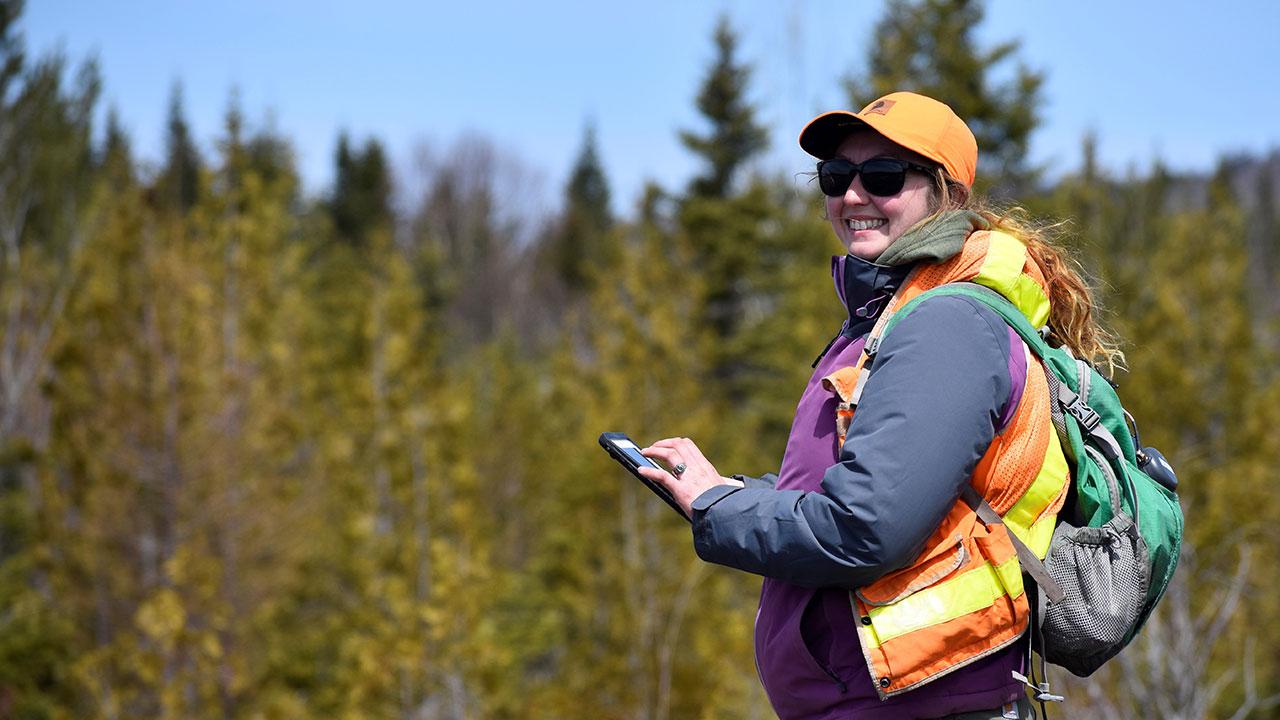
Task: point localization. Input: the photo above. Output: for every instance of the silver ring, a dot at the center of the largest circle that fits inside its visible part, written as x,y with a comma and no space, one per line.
679,469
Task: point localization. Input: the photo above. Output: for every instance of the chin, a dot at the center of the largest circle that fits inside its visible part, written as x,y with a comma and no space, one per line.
868,250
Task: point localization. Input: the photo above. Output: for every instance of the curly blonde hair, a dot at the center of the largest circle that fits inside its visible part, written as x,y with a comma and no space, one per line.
1073,310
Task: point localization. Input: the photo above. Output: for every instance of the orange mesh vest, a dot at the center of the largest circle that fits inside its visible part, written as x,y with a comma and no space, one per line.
962,598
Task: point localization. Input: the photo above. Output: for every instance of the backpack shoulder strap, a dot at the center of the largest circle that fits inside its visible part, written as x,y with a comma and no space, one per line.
1031,564
1001,305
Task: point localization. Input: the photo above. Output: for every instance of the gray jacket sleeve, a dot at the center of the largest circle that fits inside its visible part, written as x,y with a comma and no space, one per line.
766,481
928,412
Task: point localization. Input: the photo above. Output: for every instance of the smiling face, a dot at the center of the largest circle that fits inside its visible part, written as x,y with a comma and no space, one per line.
867,224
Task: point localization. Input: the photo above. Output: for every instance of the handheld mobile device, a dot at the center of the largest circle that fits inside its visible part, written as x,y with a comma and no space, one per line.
626,452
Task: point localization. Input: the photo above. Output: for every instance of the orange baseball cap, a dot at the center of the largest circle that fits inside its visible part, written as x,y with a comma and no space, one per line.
913,121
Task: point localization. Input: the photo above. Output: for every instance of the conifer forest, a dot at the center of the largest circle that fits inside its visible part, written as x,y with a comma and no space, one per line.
269,454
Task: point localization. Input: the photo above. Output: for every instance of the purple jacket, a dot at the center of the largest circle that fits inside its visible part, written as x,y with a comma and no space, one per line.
945,381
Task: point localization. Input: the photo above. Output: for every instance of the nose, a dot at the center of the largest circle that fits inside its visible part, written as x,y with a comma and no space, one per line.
856,194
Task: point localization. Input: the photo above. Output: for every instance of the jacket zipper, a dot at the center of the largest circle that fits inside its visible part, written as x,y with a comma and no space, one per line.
826,349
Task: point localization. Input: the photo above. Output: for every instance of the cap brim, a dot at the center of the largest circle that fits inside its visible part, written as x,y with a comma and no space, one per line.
823,135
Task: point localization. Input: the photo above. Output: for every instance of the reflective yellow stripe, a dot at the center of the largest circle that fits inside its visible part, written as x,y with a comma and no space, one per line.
866,633
957,597
1002,271
1024,518
1039,535
1010,573
1003,263
1031,300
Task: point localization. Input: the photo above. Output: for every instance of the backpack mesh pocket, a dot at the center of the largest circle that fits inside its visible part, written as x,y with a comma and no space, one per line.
1104,573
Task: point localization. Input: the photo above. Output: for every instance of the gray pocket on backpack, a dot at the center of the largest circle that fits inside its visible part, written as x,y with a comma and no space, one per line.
1104,573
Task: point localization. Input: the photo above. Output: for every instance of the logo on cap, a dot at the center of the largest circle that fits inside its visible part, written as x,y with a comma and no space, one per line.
879,107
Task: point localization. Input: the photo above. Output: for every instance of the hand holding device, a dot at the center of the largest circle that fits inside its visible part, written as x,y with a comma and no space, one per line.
626,452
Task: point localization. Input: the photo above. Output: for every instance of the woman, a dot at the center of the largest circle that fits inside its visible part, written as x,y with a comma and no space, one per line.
884,595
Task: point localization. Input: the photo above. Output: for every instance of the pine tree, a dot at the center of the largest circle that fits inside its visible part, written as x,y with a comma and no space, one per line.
928,46
792,299
173,412
631,602
581,243
734,136
178,186
722,228
116,155
362,190
46,188
12,52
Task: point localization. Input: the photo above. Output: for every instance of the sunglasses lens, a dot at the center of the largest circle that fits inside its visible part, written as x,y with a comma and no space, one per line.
834,176
883,178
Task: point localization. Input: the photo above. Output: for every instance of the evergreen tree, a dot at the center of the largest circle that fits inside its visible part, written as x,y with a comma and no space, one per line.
116,155
793,299
626,591
587,192
734,136
928,46
581,243
271,158
723,229
12,52
46,184
362,190
178,186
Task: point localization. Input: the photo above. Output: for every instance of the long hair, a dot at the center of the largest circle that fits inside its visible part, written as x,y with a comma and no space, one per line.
1073,311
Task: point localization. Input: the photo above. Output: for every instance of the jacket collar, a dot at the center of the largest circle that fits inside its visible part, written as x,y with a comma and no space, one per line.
864,287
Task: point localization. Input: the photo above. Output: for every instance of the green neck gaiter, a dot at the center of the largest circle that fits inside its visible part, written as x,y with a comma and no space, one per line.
933,240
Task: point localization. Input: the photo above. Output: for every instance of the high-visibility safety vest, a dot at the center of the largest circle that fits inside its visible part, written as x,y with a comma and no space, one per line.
962,598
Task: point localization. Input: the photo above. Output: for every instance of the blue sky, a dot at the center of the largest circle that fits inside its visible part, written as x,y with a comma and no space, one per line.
1179,81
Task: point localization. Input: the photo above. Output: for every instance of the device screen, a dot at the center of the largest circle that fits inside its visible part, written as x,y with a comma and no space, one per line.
630,449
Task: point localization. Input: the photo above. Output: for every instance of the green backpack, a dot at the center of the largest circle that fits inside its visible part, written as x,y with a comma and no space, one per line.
1117,541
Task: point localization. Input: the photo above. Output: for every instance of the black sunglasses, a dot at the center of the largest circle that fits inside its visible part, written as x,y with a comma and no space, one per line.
881,177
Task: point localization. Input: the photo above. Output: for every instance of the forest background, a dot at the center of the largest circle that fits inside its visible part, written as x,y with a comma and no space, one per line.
271,455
